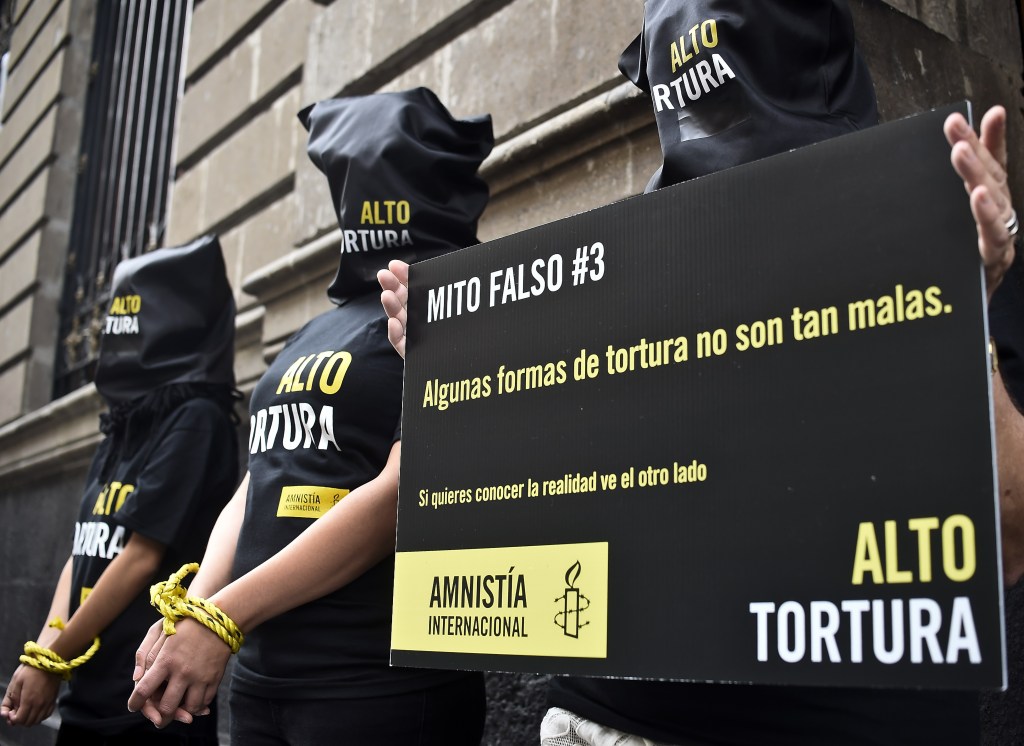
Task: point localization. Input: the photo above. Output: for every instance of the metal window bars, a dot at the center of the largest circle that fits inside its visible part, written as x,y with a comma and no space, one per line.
124,168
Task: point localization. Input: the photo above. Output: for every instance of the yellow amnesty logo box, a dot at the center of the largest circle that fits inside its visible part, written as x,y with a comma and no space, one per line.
534,600
307,501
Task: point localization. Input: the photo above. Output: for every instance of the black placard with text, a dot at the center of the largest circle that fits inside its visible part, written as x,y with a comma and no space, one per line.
738,429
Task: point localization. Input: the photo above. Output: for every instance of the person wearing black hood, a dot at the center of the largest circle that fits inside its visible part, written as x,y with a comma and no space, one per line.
303,558
733,81
158,481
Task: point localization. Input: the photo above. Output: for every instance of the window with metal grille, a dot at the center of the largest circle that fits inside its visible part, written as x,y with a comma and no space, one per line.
124,166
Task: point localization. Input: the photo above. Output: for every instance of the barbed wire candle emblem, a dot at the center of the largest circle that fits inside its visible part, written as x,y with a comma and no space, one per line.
574,603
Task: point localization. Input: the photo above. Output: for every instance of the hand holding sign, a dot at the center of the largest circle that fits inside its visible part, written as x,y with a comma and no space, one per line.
981,163
395,295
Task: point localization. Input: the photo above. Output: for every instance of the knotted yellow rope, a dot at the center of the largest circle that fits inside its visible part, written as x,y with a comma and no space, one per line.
46,660
170,599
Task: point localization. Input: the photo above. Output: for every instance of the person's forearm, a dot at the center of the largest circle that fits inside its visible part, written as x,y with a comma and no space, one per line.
58,607
215,568
122,581
1010,451
349,539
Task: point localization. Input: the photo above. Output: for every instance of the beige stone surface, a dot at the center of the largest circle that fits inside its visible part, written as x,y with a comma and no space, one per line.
216,21
283,43
19,271
33,152
351,39
31,16
49,438
14,331
12,383
529,60
19,119
255,67
52,35
614,171
287,313
315,211
254,160
249,363
23,214
265,237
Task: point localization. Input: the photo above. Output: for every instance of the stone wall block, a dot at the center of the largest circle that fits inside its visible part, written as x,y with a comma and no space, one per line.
246,166
27,158
218,98
249,363
28,23
994,30
253,160
283,41
611,173
529,60
18,272
942,16
338,49
14,331
23,213
253,69
187,212
351,40
12,383
286,314
313,197
19,119
214,22
52,35
266,237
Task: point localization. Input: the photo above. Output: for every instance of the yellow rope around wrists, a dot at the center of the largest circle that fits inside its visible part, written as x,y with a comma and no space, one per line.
170,599
46,660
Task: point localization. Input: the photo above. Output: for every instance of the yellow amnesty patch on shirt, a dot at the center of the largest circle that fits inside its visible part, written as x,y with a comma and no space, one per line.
84,595
308,502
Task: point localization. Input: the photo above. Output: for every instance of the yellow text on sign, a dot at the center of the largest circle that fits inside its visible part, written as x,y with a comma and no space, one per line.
308,502
535,600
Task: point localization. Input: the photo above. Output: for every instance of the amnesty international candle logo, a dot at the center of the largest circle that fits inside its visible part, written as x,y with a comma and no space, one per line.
574,603
496,601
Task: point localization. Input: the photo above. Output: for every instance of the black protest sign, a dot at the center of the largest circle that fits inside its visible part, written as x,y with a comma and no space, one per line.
736,430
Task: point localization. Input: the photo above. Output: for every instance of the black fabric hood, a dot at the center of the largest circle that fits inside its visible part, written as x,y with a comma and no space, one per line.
734,80
403,178
171,320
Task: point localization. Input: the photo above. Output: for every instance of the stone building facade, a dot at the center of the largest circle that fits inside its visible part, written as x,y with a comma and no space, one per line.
571,134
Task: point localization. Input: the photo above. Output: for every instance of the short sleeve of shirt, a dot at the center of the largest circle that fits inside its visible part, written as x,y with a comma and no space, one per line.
191,453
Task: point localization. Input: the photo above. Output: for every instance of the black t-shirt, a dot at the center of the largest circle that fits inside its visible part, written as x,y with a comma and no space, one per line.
1006,324
170,489
323,420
